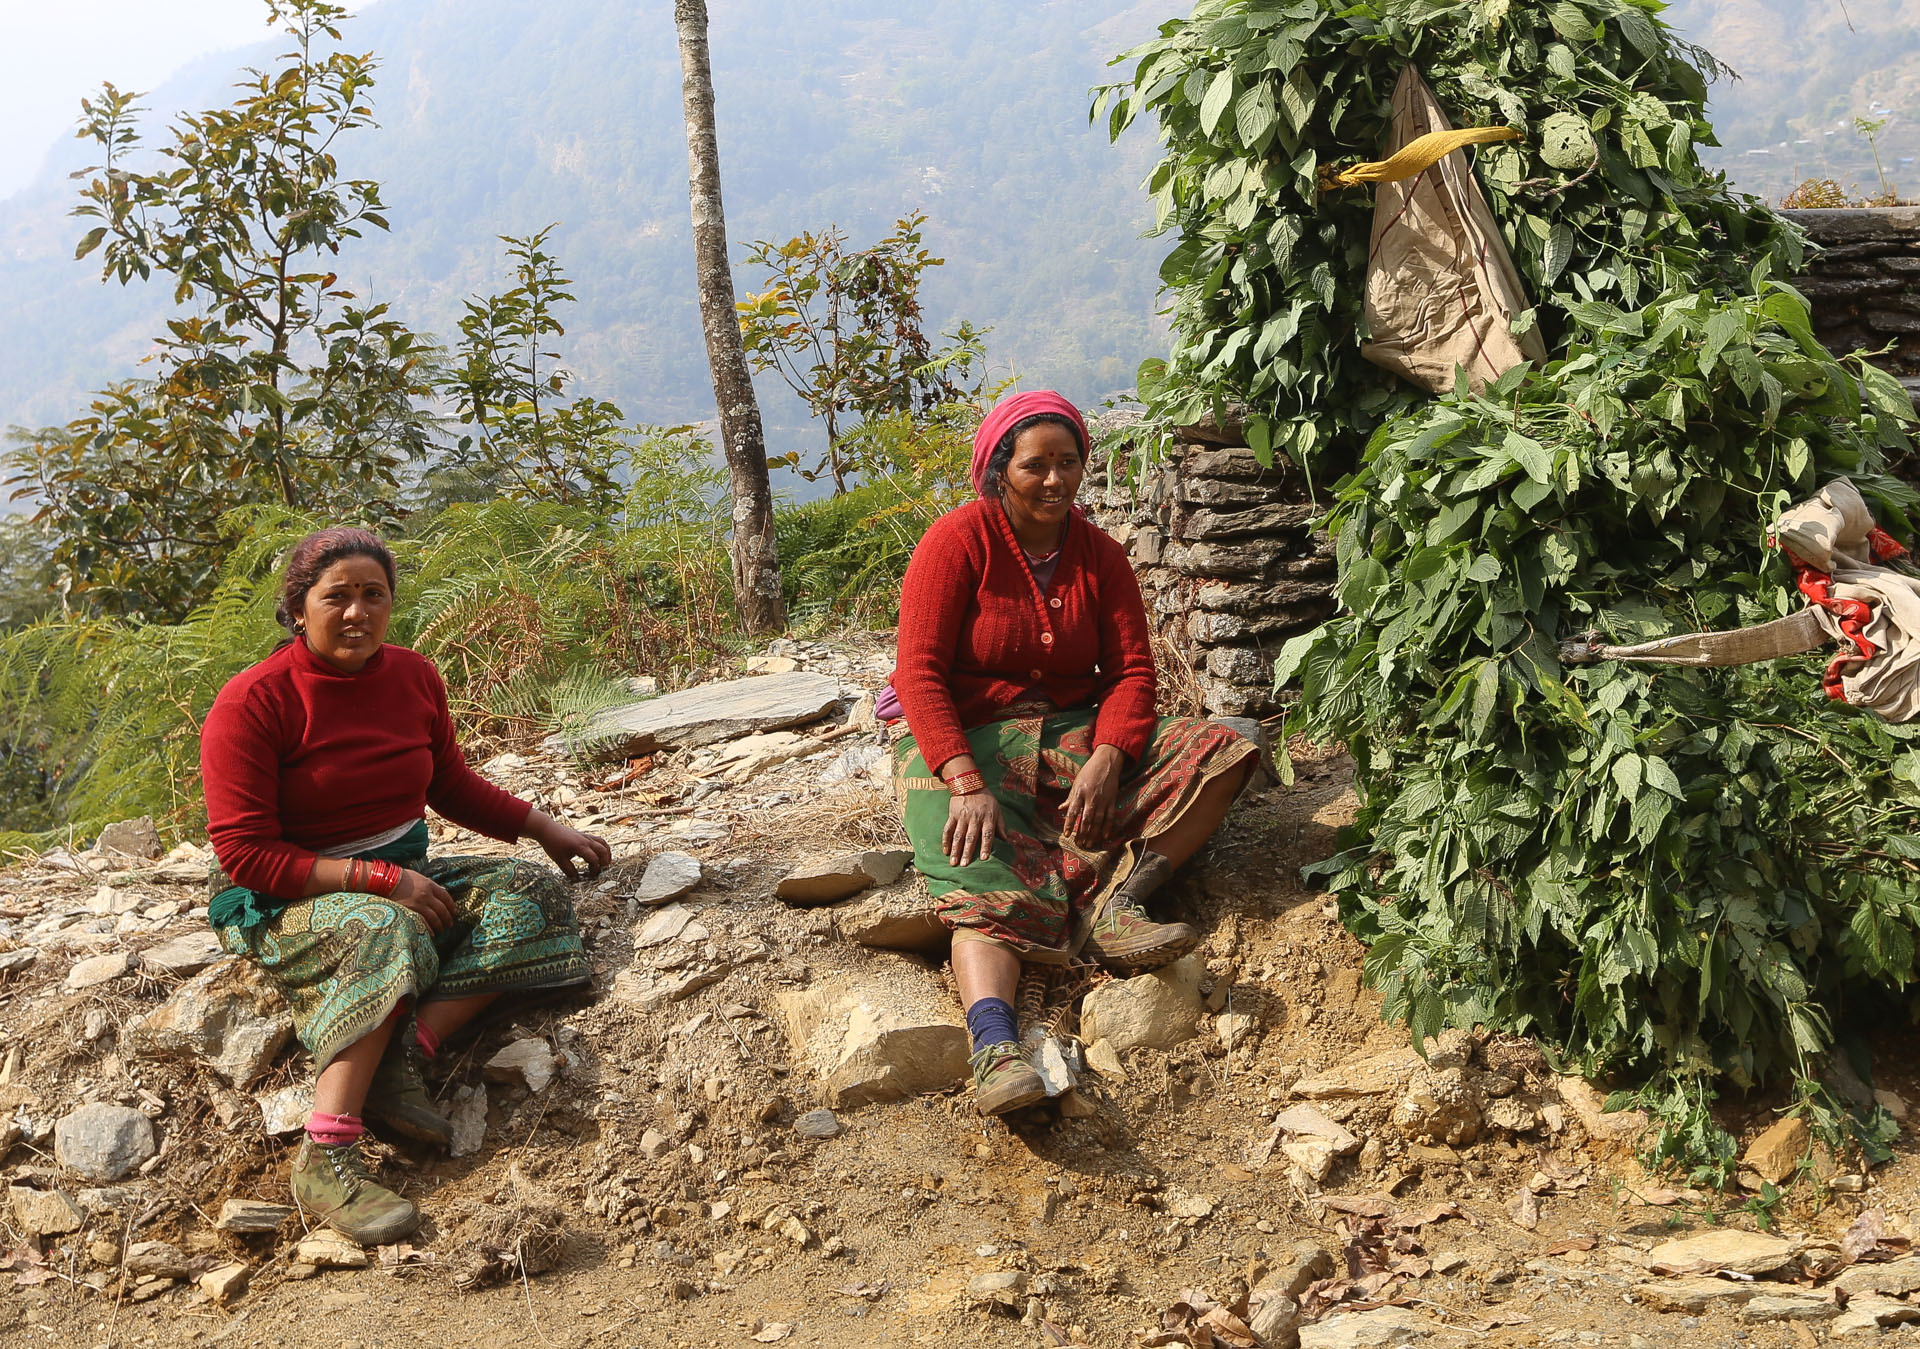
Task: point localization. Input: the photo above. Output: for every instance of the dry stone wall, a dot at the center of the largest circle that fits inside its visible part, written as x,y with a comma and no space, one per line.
1228,560
1865,286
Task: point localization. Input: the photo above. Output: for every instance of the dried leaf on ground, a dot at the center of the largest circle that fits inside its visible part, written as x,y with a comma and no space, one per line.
1571,1244
766,1332
1870,1239
1360,1205
1196,1320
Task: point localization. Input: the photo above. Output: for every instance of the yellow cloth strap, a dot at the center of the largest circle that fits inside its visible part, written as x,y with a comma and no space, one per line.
1416,157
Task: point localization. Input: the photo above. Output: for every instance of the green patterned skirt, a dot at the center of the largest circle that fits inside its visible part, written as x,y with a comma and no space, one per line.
345,961
1040,888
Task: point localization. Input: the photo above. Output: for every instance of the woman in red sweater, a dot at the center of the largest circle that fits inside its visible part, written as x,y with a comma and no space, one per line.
1044,798
318,765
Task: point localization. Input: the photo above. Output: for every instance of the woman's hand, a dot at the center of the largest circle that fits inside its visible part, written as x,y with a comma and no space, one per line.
427,898
973,823
563,843
1089,808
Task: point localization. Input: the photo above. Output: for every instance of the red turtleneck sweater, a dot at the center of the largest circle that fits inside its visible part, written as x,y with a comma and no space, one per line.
296,756
977,634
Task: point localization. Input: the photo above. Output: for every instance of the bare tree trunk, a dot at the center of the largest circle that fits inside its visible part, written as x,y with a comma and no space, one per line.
756,552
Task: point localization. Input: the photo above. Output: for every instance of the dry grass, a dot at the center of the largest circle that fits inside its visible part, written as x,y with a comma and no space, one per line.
855,818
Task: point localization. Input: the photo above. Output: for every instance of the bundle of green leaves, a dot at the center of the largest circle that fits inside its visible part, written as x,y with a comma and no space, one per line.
1673,874
1605,198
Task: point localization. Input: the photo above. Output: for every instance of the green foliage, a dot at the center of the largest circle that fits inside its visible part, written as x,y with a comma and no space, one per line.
1267,275
507,387
843,331
277,384
1659,870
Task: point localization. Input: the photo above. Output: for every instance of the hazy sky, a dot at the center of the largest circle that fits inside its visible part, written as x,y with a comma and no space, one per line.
54,52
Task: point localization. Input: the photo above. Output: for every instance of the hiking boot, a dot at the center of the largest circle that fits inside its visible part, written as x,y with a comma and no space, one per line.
1002,1081
332,1184
1125,939
398,1095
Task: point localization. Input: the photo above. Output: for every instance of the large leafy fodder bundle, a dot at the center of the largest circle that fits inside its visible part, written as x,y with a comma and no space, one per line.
1604,199
1674,871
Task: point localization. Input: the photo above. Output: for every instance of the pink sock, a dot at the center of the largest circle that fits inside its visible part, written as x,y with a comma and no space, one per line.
333,1130
429,1042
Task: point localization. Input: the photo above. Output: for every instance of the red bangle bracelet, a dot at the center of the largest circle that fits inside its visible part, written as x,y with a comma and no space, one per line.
384,878
970,783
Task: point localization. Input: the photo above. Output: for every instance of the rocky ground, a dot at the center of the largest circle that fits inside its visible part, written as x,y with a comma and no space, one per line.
753,1128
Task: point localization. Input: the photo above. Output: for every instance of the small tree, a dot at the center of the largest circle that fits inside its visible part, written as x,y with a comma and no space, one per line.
843,331
756,552
277,384
507,386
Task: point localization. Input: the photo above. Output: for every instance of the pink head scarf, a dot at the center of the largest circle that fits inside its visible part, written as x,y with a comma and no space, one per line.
1006,413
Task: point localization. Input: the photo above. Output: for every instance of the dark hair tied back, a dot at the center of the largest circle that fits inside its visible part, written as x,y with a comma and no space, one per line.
996,474
313,555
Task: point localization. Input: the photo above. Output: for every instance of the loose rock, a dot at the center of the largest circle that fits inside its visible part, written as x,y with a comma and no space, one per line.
226,1284
130,841
103,1142
469,1120
228,1016
877,1040
1692,1295
1441,1106
528,1061
251,1215
662,926
286,1110
669,876
156,1260
1725,1248
832,879
1372,1075
1305,1121
97,970
1777,1153
1361,1330
326,1250
44,1213
1149,1011
900,917
183,955
1772,1307
1869,1314
819,1124
1004,1287
18,959
1274,1319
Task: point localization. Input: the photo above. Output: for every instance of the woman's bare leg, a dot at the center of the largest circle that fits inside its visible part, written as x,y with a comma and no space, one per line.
1191,831
444,1017
341,1088
985,969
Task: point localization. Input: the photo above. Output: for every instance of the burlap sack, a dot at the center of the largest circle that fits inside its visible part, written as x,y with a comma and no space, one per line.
1441,288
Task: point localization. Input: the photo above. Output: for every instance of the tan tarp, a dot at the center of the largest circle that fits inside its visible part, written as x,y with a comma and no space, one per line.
1441,287
1830,533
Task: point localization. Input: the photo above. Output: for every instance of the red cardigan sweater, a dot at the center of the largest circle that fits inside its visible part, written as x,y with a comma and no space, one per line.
977,634
296,756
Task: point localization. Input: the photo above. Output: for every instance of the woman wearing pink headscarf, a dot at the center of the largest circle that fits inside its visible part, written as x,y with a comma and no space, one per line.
1045,799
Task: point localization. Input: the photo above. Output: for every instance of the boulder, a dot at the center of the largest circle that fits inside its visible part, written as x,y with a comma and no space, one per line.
1724,1248
97,970
130,841
183,956
1371,1075
708,714
44,1213
252,1216
884,1037
469,1119
829,880
103,1142
668,876
285,1111
900,917
1149,1011
1777,1153
528,1061
229,1016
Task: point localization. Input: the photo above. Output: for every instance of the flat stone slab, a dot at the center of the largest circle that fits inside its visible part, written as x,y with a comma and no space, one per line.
252,1215
669,876
900,917
184,955
1723,1248
829,880
709,713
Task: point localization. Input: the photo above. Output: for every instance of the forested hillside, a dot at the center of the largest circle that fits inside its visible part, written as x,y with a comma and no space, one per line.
499,117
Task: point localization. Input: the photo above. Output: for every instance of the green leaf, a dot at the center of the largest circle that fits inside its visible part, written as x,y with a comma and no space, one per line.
1626,775
1530,455
1214,105
1559,251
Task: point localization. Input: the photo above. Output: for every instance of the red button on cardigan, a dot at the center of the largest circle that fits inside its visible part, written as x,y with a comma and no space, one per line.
977,636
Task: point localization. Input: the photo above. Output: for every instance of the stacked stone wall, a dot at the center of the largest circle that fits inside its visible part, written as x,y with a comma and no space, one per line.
1864,287
1228,560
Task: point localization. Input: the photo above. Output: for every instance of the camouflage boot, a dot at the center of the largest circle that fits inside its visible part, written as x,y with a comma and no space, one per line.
398,1093
1002,1081
1125,939
333,1185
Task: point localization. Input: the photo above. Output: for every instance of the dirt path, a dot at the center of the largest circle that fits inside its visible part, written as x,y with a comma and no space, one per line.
694,1213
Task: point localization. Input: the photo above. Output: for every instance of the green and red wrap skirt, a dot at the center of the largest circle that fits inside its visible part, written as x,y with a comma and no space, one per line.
1040,889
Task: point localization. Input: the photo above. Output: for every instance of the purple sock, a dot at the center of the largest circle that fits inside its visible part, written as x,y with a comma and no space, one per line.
991,1021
